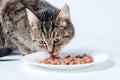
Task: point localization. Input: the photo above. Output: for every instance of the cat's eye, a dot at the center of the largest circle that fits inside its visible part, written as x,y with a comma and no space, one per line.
41,42
57,40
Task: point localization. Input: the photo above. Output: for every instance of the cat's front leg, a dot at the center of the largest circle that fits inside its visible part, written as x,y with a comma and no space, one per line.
24,50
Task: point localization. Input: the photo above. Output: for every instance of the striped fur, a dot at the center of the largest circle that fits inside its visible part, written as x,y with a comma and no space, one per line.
49,30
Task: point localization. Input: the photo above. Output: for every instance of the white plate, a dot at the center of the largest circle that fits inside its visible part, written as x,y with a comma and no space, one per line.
31,59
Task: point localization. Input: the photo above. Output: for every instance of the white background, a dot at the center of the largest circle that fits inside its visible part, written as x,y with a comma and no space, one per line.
97,26
96,22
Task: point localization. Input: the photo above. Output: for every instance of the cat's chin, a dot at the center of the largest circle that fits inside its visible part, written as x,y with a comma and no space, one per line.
55,53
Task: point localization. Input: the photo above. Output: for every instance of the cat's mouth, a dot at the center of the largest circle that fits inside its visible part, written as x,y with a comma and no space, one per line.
53,53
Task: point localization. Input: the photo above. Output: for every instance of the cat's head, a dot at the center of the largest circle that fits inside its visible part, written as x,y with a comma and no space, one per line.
51,29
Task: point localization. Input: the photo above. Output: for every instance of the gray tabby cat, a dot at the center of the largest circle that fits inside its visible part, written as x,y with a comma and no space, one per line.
33,25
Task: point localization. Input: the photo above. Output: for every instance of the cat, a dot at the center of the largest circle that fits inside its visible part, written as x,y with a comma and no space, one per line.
33,25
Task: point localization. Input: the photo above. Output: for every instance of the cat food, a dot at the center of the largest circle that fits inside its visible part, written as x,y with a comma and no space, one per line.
68,60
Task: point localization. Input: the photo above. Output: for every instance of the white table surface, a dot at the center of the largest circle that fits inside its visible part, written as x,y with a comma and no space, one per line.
97,26
16,69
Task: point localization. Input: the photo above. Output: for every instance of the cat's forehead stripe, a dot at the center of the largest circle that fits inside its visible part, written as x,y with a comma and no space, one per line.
47,14
46,18
47,28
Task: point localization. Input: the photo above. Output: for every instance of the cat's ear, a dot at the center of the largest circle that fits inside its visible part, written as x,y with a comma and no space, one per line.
33,20
64,15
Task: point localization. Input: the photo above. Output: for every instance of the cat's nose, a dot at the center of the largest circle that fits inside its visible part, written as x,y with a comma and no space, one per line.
50,48
50,52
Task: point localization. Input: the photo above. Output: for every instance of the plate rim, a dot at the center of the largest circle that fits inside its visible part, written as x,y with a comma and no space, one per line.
60,66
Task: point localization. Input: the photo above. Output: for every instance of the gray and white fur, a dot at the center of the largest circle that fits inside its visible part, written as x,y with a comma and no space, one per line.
33,25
